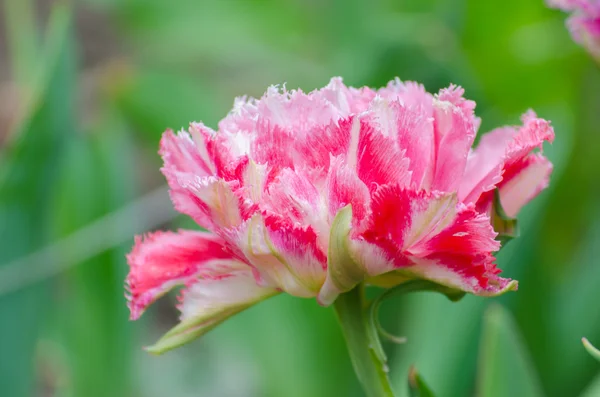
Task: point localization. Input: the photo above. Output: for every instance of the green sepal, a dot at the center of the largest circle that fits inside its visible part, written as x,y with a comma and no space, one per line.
417,386
506,227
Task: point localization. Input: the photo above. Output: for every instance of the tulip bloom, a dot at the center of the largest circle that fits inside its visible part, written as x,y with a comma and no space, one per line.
313,194
584,22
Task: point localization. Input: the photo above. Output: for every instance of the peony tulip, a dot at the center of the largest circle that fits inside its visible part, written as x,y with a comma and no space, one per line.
313,194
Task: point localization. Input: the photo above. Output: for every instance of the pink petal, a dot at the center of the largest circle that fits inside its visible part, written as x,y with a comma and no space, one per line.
293,196
296,111
402,218
331,139
285,255
379,160
299,247
293,111
531,136
485,165
344,187
422,235
399,220
347,99
190,166
523,181
161,260
273,145
501,156
214,198
210,299
454,129
415,136
408,94
436,135
183,154
242,117
460,256
454,95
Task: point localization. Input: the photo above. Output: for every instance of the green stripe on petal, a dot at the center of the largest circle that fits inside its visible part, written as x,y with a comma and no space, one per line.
207,304
343,272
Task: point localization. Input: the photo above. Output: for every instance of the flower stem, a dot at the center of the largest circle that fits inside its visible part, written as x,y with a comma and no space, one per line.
370,369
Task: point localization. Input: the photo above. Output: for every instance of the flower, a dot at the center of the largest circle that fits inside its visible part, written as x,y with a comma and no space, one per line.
584,22
312,194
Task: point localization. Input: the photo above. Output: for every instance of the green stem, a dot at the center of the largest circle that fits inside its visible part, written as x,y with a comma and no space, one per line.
370,369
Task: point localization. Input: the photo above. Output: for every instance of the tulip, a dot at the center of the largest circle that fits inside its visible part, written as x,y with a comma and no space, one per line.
318,194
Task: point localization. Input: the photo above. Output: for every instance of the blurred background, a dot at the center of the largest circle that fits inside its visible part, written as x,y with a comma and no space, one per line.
87,88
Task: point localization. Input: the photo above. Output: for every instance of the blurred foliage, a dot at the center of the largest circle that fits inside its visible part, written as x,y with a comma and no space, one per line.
502,356
99,80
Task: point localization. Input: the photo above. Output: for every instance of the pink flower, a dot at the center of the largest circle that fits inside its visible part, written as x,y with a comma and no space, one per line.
311,194
584,22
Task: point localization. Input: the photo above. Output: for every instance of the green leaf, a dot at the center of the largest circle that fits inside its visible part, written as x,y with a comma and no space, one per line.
593,389
417,386
505,368
27,176
96,178
594,352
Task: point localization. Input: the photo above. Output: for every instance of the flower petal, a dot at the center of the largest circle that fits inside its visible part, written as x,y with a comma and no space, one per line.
422,235
460,256
523,181
343,188
347,99
208,302
532,135
293,195
159,261
502,155
283,254
454,128
181,156
185,153
379,159
402,218
415,135
485,165
409,94
214,198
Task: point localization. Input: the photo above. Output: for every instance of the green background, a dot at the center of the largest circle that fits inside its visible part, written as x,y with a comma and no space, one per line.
88,87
